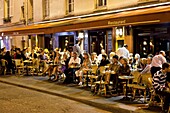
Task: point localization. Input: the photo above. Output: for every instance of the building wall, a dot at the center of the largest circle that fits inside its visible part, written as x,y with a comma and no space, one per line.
17,41
1,12
17,10
117,4
57,8
38,11
84,7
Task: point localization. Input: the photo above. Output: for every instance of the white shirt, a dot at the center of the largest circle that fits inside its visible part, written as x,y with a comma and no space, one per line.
76,48
77,60
122,52
158,60
146,69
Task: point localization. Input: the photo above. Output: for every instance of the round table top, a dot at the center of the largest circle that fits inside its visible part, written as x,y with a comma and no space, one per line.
113,72
27,61
126,77
54,64
74,66
106,66
87,69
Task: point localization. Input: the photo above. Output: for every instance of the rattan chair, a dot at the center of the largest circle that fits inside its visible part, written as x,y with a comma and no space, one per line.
19,66
101,86
153,94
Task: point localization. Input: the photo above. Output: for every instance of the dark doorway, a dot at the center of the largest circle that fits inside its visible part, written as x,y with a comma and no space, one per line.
151,39
66,42
48,41
97,41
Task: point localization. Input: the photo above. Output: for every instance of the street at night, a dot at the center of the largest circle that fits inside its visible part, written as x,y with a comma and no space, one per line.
19,100
84,56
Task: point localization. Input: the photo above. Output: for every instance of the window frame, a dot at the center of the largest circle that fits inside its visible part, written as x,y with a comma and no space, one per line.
70,6
101,3
46,9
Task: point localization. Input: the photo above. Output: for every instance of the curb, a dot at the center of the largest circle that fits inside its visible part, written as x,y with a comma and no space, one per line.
105,107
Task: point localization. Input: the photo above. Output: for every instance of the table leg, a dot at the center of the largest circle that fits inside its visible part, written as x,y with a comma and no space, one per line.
87,78
126,95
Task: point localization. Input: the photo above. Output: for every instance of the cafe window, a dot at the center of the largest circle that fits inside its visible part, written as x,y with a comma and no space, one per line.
70,6
101,3
30,10
8,10
22,18
46,9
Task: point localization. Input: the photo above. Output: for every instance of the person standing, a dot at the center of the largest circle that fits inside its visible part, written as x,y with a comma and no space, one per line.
77,49
123,51
157,62
160,85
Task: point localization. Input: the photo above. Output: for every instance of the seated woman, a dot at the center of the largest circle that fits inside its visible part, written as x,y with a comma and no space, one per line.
124,70
137,64
50,67
94,59
103,63
85,65
58,71
148,66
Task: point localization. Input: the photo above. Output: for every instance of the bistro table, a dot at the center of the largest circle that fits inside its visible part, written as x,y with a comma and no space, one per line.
73,69
27,63
126,78
87,77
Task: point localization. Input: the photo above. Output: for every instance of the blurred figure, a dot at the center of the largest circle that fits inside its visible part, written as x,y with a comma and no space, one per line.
157,62
111,55
103,52
148,66
125,68
123,51
10,64
85,65
94,59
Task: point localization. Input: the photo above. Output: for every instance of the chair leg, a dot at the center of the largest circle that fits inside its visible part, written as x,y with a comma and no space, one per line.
145,96
5,71
105,91
124,88
134,93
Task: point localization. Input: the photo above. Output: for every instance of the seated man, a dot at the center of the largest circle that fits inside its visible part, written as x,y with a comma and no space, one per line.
161,87
73,64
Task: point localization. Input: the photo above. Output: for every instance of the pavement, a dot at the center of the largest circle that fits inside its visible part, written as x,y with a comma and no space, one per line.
76,93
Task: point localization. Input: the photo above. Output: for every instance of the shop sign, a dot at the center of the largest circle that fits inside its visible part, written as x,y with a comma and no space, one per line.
116,22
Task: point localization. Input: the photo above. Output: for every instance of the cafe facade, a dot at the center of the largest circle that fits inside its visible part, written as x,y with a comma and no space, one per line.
111,29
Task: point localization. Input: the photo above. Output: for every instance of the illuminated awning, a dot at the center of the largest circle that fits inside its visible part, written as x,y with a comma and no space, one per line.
135,17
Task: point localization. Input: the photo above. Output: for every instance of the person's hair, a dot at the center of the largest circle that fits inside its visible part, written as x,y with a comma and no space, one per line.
105,56
161,52
94,53
116,57
150,55
125,45
8,53
126,60
165,65
75,53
